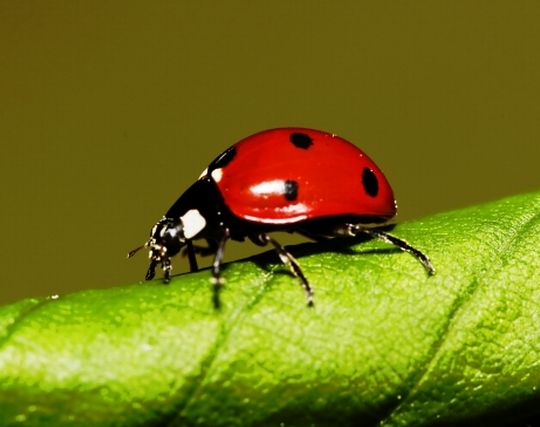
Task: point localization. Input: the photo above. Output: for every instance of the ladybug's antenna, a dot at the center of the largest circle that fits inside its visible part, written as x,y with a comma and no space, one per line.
134,251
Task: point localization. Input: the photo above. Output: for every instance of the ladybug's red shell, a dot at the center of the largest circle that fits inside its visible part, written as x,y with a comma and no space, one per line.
288,175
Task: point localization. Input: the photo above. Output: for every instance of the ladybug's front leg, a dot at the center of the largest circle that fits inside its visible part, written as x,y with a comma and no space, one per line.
190,251
167,267
290,261
151,272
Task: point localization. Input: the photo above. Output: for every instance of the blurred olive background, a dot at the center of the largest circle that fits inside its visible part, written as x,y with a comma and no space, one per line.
109,110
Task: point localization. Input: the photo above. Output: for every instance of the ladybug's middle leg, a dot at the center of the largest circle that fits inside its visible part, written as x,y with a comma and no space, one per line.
217,280
291,263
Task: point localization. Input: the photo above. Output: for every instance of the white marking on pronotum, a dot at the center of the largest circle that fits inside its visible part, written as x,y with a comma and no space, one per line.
193,223
217,174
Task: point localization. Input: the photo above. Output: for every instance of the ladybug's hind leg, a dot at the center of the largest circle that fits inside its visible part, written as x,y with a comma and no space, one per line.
355,230
290,262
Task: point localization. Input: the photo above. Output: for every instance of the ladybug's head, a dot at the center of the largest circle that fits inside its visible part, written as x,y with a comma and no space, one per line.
168,237
166,240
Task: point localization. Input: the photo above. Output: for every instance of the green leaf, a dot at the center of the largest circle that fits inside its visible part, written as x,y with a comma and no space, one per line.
384,343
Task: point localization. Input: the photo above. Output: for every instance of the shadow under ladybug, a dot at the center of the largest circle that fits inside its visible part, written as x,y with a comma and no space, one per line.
288,179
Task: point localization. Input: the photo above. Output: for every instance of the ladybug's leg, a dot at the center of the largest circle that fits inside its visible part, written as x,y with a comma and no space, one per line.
192,250
191,256
217,280
355,230
151,272
291,263
167,267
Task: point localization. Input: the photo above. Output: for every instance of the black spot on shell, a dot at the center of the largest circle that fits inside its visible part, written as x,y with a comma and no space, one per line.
370,183
301,140
223,159
291,190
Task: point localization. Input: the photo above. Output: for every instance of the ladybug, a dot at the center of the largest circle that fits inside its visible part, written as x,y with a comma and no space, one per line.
287,179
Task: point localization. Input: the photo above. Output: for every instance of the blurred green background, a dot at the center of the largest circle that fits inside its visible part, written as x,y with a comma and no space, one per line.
109,110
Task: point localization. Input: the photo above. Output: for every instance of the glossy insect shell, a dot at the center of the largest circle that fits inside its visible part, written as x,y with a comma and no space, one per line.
289,175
